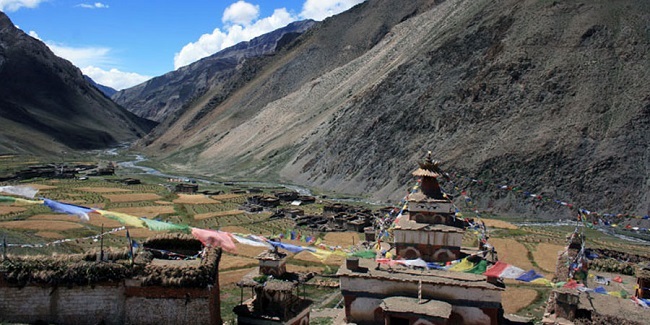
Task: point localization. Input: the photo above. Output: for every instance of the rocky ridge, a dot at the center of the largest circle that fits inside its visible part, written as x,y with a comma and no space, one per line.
550,97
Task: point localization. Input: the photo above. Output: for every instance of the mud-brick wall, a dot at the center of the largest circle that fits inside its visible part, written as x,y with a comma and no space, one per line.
62,305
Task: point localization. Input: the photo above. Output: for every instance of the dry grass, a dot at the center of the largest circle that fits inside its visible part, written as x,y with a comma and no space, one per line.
228,196
148,211
309,257
514,299
164,202
493,223
208,215
103,189
230,277
194,199
235,262
132,197
247,250
343,239
40,187
137,233
546,256
512,252
236,229
298,268
49,235
96,219
40,225
9,209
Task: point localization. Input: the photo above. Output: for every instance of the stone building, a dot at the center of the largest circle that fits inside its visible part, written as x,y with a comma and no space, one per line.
80,289
429,230
276,298
186,188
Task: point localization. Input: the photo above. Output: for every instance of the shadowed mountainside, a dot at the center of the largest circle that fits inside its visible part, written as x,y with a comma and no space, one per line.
546,96
46,105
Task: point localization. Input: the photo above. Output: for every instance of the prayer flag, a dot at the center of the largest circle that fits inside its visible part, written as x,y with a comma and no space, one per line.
214,238
529,276
462,266
24,191
250,242
479,268
79,211
161,225
124,218
504,270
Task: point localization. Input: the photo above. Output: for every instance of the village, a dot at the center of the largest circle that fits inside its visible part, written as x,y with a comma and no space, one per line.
422,262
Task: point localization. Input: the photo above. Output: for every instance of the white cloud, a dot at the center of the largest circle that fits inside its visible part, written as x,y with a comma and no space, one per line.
88,57
242,24
240,13
13,5
114,78
321,9
82,56
96,5
218,40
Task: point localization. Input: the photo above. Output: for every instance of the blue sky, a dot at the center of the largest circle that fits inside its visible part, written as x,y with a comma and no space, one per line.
123,43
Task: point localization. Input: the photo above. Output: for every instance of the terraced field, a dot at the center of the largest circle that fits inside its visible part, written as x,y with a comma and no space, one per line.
525,247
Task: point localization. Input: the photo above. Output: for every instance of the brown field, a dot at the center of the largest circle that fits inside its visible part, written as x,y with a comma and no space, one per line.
194,199
298,268
512,252
247,250
9,209
103,189
309,257
236,229
40,186
343,239
546,256
493,223
514,299
40,225
148,211
164,202
208,215
132,197
49,235
137,233
229,277
96,219
228,196
235,262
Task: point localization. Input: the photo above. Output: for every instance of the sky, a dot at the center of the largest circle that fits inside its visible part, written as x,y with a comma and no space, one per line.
123,43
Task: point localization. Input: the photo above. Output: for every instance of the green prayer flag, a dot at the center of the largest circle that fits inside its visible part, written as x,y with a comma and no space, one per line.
161,225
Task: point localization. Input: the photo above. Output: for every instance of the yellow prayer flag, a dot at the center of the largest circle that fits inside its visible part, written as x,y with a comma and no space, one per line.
321,254
462,266
124,218
542,281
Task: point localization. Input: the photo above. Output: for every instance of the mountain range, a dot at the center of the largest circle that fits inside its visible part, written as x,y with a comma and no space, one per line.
47,106
527,104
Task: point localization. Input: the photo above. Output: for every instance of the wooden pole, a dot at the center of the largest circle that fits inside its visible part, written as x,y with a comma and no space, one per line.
101,244
4,248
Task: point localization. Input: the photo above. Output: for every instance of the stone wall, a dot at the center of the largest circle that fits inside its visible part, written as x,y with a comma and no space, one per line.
108,304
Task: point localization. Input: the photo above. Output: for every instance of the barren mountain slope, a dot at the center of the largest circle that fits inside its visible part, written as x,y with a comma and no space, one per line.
551,97
165,95
46,105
